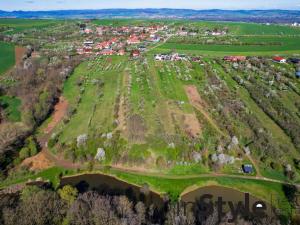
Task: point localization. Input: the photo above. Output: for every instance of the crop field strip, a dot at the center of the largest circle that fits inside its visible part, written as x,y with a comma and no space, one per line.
94,107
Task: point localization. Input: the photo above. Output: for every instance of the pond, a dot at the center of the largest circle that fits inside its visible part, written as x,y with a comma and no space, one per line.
232,199
108,185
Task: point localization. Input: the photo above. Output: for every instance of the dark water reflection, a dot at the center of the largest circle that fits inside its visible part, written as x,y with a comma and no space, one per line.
107,185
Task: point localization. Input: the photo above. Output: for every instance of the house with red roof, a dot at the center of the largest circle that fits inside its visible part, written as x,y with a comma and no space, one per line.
103,45
133,40
88,31
107,52
135,53
234,58
113,40
87,50
279,59
121,52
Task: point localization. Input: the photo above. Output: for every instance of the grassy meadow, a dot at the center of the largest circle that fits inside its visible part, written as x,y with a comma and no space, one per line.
94,111
255,45
21,25
12,107
7,56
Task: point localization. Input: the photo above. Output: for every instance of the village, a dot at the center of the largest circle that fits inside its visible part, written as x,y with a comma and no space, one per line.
107,40
135,40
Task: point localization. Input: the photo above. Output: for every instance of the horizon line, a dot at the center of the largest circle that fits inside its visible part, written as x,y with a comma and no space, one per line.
50,10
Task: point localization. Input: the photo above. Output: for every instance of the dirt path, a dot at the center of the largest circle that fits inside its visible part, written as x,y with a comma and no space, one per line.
192,125
60,111
60,162
19,53
255,166
199,104
146,172
38,162
159,44
44,159
122,105
208,175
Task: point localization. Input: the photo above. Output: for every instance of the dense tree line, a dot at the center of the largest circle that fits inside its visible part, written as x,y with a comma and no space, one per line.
35,206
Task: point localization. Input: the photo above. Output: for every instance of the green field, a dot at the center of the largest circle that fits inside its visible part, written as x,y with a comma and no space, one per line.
20,25
239,28
12,107
129,22
7,56
95,110
256,45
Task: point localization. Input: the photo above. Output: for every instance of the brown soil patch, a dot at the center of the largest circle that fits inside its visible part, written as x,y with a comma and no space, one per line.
121,114
136,128
37,162
60,110
19,52
200,105
191,125
194,96
123,106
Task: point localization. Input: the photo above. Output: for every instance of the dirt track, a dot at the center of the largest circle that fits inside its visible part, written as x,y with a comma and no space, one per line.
38,162
45,159
60,111
19,52
200,105
192,125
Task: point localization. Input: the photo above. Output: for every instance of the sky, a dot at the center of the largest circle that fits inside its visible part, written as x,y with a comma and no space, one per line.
33,5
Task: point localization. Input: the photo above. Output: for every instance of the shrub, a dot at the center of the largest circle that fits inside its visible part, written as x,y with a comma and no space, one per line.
24,153
52,141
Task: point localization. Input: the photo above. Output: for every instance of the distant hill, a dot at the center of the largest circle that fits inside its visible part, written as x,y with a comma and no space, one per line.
279,16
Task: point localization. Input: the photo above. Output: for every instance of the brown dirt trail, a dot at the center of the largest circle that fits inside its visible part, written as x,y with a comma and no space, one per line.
199,104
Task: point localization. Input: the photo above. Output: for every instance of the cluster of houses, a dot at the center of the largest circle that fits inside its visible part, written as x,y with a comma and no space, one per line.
295,24
183,32
277,59
235,58
102,48
171,57
121,38
215,32
295,61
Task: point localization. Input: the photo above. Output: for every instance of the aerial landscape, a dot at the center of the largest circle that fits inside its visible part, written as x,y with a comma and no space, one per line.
156,115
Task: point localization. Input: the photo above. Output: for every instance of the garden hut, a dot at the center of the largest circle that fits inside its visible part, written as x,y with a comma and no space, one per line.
247,168
294,60
298,73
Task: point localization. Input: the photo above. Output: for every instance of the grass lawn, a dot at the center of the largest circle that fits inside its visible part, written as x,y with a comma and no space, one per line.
7,56
175,187
19,25
96,107
240,28
12,107
51,174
